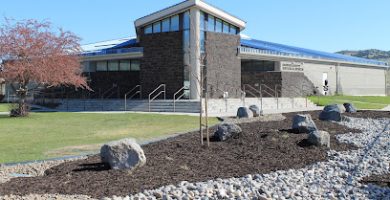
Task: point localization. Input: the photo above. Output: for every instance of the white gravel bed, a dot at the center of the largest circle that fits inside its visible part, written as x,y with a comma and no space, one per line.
337,178
30,169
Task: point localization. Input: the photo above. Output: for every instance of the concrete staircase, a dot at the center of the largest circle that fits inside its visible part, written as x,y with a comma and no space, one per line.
77,105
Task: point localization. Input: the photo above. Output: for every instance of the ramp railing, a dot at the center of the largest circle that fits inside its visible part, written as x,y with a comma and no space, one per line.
160,92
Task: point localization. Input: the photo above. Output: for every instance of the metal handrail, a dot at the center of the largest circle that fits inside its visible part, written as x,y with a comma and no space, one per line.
132,90
251,92
154,91
267,87
107,91
176,99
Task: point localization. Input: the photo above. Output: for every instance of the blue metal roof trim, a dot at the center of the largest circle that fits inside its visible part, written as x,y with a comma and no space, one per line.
127,43
297,51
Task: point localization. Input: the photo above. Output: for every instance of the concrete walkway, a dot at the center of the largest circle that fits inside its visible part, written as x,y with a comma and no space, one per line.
386,108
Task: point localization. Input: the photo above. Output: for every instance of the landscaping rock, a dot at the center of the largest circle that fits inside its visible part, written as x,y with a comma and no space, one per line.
319,138
255,110
349,108
244,112
331,113
123,154
303,123
341,108
226,131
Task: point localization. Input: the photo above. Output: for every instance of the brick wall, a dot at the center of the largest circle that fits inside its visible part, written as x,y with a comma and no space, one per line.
292,83
223,64
163,62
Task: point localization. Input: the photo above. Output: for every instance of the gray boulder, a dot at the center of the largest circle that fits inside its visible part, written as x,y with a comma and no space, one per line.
123,154
331,113
303,123
226,131
255,110
244,112
319,138
349,108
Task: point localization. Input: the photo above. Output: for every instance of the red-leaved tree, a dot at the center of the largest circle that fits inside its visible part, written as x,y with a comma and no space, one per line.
33,55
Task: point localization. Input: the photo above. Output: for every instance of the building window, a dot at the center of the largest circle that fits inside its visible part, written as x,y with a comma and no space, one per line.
157,27
186,40
186,20
202,20
165,25
218,26
225,27
175,23
202,41
135,65
113,65
211,23
149,29
101,66
124,65
233,30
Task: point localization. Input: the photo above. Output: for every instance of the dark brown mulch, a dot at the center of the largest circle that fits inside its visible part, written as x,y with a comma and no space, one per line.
369,114
262,147
380,180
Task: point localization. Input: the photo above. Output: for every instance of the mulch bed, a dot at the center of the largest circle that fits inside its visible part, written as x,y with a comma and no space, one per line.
369,114
263,147
380,180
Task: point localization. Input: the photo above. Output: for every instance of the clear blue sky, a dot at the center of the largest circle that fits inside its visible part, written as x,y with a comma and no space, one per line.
328,25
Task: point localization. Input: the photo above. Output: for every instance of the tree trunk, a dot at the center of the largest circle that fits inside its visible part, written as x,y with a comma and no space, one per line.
22,110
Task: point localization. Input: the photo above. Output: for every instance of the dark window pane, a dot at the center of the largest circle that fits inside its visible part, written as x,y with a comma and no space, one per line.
186,20
211,23
157,27
225,27
135,65
101,66
233,30
175,23
165,25
202,21
186,40
218,25
202,41
113,65
149,29
124,65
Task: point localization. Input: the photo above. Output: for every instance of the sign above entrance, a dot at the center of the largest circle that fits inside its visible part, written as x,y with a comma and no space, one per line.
292,66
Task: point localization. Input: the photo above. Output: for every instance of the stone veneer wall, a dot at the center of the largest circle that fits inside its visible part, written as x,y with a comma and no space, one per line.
292,82
223,64
163,62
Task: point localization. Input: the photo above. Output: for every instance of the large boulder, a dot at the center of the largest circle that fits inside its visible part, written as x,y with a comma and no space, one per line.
319,138
349,108
226,131
331,113
255,110
123,154
303,123
244,112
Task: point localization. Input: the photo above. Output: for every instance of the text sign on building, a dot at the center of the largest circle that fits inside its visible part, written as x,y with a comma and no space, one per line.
292,66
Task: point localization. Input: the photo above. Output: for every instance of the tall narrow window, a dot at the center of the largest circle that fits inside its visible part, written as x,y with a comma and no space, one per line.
211,23
202,41
165,25
149,29
175,23
186,20
157,27
135,65
101,66
202,21
113,65
218,26
124,65
225,27
186,40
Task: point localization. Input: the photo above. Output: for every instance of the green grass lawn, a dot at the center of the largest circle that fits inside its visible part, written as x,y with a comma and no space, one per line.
4,107
49,135
361,102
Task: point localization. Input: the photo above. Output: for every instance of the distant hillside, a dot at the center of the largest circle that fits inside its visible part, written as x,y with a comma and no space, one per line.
370,54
